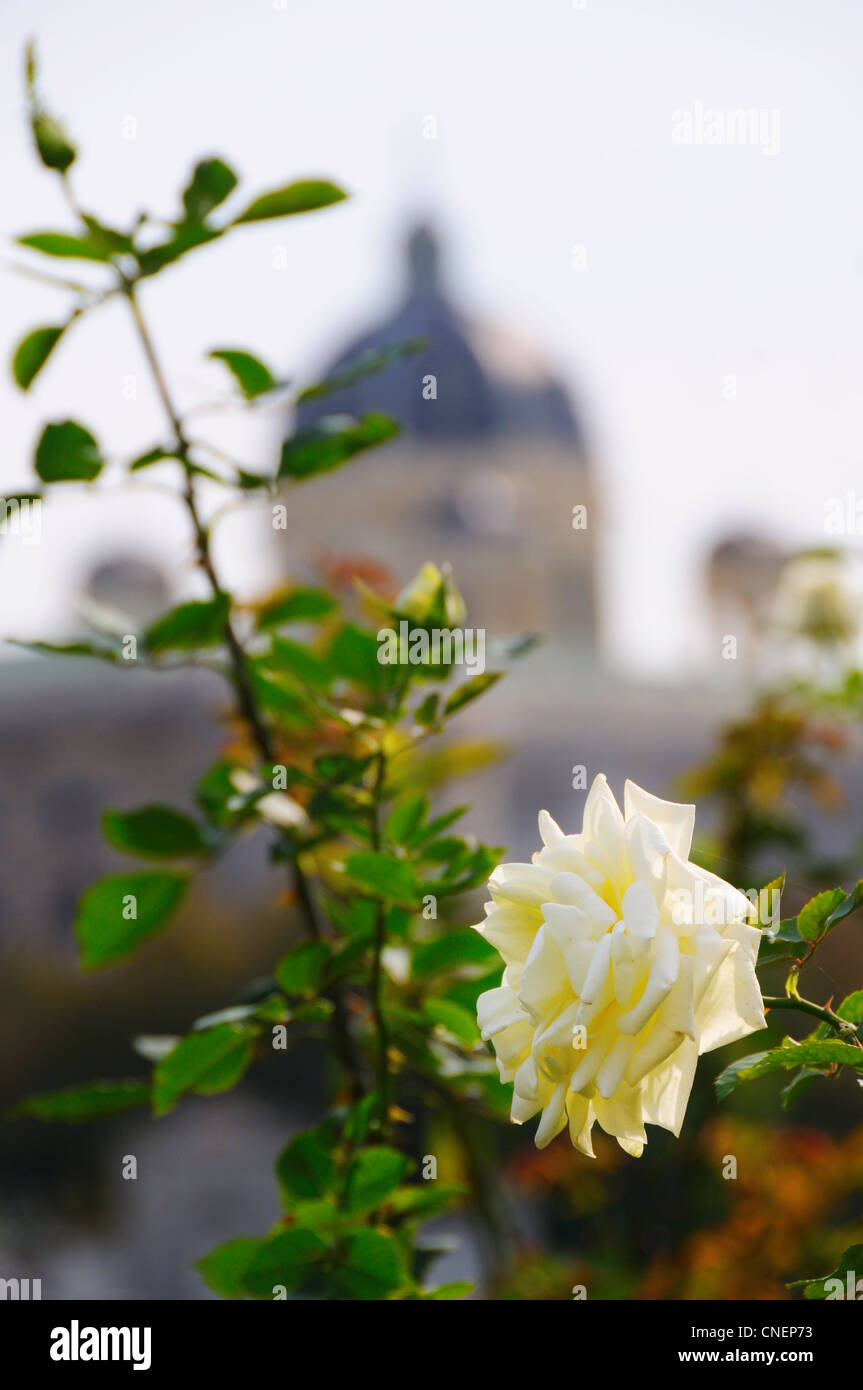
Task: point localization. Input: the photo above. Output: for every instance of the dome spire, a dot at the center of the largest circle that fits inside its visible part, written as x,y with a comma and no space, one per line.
423,257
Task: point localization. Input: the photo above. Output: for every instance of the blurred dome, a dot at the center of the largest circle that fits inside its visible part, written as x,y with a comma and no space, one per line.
489,384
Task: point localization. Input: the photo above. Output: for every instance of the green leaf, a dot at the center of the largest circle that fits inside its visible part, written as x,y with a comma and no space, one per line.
217,796
120,912
364,365
426,714
331,443
353,655
115,242
851,1007
797,1085
373,1175
69,649
195,624
188,236
87,1102
813,918
283,1260
224,1268
208,1063
337,768
361,1116
315,1011
348,961
406,818
67,452
316,1215
64,245
356,918
446,850
153,832
450,1291
288,655
823,1053
468,870
370,1268
33,352
305,196
442,822
280,695
210,184
305,1168
850,1262
251,375
426,1199
383,875
300,605
471,690
52,143
397,921
849,904
249,481
152,456
785,944
466,992
459,947
455,1019
300,972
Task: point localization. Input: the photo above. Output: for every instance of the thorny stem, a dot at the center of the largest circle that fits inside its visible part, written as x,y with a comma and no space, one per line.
239,670
841,1025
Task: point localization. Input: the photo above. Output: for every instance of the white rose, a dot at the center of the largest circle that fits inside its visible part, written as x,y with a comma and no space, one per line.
624,962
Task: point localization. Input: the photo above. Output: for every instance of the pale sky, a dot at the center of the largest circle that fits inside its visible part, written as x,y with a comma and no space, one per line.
554,131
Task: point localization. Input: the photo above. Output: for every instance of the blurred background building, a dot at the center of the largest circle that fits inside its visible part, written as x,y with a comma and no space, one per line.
491,462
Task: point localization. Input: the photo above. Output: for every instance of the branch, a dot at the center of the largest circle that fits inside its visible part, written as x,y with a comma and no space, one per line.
240,676
826,1016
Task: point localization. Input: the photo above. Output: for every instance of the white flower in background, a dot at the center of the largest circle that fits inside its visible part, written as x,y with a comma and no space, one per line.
816,599
276,807
624,962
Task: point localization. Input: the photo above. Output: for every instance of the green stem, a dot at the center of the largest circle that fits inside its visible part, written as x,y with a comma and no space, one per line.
805,1006
242,684
240,675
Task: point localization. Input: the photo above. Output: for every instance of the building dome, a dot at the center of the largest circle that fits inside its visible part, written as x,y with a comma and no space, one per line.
488,384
